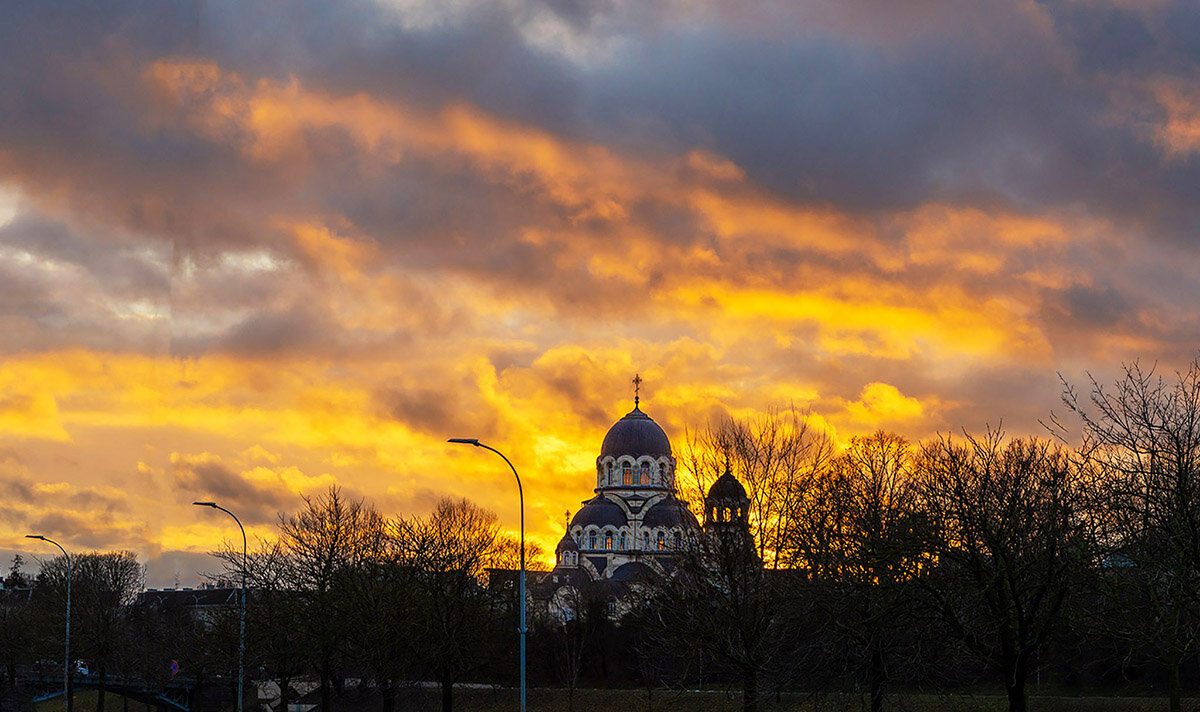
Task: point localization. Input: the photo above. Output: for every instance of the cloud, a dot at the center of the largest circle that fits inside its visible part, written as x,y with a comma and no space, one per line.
242,261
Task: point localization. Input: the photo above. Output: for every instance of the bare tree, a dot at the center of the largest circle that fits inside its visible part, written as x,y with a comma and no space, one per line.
323,543
1143,433
776,456
719,600
1009,525
103,586
449,552
864,541
381,592
277,639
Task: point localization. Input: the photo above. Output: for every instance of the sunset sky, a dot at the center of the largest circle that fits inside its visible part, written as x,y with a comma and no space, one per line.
252,250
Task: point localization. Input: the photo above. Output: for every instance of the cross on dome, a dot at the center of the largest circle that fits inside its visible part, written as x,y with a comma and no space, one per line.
637,387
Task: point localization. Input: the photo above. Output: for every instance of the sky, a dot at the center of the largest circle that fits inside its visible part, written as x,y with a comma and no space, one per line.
249,251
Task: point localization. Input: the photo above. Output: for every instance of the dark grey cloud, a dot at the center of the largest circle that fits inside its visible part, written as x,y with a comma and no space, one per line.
256,504
995,108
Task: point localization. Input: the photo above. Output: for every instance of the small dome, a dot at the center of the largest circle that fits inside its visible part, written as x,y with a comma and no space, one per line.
600,511
727,487
635,434
669,513
566,544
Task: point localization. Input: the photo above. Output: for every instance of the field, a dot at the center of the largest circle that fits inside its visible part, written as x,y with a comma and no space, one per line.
553,700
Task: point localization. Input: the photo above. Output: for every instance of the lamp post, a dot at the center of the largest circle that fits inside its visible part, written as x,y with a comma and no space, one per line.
242,616
67,647
521,495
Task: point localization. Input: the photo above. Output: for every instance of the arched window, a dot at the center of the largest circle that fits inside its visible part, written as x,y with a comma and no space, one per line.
662,541
622,542
627,474
611,476
608,541
726,514
645,473
592,540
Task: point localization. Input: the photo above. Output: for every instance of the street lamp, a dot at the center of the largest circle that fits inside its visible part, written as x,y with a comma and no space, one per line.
242,616
521,494
67,652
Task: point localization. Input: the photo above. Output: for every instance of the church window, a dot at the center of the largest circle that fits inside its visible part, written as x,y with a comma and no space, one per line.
662,541
627,474
608,540
612,478
726,515
592,540
622,544
645,473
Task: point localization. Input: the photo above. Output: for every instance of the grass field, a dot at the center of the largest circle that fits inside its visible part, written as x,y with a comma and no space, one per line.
550,700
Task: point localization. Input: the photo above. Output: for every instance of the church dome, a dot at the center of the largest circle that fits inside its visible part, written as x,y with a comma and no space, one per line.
635,434
566,544
600,511
669,513
727,488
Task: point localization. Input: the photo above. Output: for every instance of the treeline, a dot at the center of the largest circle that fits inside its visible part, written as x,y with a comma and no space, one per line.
340,593
963,560
963,563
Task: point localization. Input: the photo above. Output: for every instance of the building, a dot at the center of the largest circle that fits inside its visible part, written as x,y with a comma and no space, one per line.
633,526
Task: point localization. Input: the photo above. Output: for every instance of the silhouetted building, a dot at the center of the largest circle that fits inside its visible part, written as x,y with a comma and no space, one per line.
633,527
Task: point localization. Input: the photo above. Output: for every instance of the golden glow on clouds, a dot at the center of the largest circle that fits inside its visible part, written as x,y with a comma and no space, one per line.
1179,134
757,302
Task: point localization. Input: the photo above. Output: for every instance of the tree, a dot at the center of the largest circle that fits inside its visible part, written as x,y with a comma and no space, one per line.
456,612
17,578
16,633
863,539
720,601
276,642
105,588
1143,433
578,617
322,544
1009,528
380,594
776,456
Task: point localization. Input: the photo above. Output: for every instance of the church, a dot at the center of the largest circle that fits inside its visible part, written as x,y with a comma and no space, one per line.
632,527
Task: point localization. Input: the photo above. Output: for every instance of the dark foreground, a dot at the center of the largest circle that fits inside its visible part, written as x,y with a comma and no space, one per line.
551,700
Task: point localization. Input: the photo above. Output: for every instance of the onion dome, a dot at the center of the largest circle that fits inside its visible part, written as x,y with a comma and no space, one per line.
599,511
669,513
635,434
727,488
566,544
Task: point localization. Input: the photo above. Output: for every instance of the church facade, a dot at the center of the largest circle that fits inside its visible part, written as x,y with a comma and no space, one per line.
633,526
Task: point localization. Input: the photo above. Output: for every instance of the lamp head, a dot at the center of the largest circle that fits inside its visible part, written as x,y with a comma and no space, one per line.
206,504
465,441
35,536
